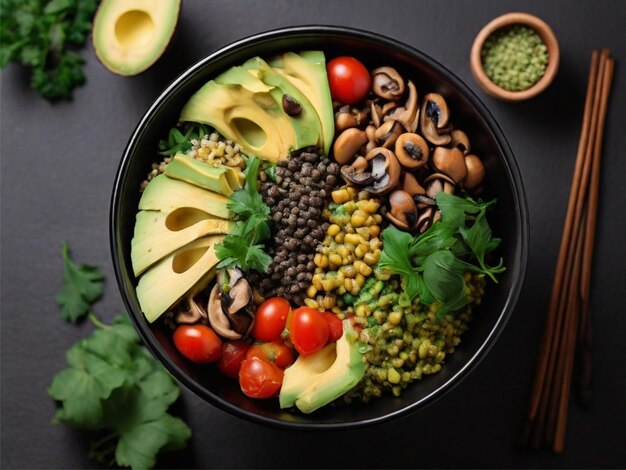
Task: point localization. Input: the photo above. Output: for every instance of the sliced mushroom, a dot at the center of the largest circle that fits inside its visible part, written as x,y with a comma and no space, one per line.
425,219
377,113
348,144
433,187
344,121
387,134
358,177
411,186
422,201
370,132
451,162
446,184
385,171
388,108
434,119
475,172
408,114
411,150
387,83
217,318
460,141
402,212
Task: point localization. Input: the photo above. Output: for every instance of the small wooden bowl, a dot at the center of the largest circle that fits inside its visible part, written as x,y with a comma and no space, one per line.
547,36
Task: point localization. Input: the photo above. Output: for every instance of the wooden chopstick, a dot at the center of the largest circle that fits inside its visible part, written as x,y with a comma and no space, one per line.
567,322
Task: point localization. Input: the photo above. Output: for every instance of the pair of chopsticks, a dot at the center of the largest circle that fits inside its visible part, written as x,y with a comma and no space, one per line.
568,327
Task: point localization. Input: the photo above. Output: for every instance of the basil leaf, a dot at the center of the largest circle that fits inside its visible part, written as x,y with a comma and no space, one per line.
394,258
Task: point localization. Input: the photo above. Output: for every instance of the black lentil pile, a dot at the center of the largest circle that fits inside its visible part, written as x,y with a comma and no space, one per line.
296,199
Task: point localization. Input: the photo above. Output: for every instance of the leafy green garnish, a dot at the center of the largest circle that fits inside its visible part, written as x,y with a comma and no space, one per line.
40,34
114,387
82,286
270,171
178,142
432,265
242,247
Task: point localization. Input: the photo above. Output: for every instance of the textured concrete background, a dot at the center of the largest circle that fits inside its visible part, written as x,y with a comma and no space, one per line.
58,164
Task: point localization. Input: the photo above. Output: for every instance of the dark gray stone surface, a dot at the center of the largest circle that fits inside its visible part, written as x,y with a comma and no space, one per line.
58,163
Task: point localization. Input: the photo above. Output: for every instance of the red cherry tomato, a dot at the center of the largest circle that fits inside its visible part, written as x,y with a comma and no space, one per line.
349,80
198,343
233,354
308,330
335,327
270,319
259,378
276,351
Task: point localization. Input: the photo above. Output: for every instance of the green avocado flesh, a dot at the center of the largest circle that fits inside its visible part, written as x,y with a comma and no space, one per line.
317,380
245,105
130,35
202,174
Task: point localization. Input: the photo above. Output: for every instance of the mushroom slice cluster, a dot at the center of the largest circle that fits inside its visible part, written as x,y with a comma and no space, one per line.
231,305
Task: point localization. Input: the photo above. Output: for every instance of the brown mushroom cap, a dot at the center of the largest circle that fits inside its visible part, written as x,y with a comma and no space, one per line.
425,219
387,83
376,113
451,162
460,140
408,114
387,134
385,171
411,150
370,132
402,210
434,119
348,144
475,172
344,121
217,318
410,185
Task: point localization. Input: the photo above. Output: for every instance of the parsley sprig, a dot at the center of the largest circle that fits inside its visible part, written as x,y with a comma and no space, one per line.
243,248
178,142
113,386
432,265
40,34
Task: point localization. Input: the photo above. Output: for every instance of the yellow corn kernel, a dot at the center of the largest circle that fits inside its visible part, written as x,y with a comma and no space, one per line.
359,280
333,230
358,218
341,290
352,191
377,218
340,196
324,262
368,206
375,243
365,270
348,284
340,237
361,310
343,251
374,231
355,290
352,238
394,318
317,259
327,284
317,281
350,247
311,291
361,250
370,259
335,259
364,233
349,271
349,207
328,302
310,303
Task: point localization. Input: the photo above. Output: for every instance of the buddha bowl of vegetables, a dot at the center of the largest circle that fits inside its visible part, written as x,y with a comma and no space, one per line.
308,248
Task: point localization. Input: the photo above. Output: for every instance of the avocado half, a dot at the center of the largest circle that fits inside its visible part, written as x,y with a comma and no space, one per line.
130,35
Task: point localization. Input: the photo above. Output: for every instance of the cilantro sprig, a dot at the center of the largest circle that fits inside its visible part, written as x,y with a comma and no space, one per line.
112,385
178,142
432,264
242,247
40,34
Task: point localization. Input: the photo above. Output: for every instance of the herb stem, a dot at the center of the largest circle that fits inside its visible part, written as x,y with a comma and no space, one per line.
96,321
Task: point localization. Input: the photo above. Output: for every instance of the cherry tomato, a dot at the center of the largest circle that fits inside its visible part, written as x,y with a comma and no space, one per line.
198,343
233,354
349,80
335,328
270,319
308,330
276,351
259,378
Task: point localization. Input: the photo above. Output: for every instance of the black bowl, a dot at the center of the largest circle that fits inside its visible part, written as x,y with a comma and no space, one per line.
509,220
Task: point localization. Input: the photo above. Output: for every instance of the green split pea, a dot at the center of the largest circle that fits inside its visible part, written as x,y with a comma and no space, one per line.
514,58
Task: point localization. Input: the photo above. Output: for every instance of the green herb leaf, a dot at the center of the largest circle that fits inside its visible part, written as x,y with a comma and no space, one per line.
454,209
479,238
394,258
82,286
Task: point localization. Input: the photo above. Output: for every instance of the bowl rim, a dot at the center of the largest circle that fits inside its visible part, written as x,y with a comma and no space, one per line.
547,36
509,163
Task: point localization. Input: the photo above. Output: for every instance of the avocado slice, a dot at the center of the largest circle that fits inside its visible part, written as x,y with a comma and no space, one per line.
168,281
241,114
164,194
159,233
296,377
317,381
307,124
130,35
199,173
307,72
